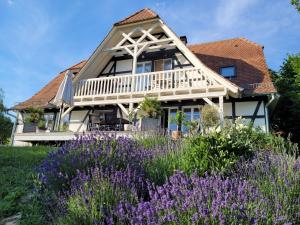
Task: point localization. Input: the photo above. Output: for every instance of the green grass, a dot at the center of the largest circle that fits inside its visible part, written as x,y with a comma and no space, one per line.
17,166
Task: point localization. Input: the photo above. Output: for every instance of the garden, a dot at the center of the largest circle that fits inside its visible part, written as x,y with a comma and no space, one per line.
236,175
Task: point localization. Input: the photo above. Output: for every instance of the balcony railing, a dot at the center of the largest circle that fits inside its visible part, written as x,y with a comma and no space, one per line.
155,83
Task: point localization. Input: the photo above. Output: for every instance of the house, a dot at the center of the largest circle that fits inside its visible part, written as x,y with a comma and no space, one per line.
141,56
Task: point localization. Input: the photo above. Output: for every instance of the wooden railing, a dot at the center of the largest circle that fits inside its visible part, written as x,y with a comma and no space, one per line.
145,83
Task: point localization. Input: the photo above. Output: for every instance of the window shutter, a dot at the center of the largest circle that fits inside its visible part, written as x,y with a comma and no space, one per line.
159,65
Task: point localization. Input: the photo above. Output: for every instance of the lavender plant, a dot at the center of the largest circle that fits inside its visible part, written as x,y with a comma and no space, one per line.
198,200
277,176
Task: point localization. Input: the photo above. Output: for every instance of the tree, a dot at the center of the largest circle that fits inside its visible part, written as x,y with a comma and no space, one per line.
286,116
296,3
5,122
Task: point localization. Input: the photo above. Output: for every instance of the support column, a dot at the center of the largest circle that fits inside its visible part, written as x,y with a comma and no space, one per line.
221,110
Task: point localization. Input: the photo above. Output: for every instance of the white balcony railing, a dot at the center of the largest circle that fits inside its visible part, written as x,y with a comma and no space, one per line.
169,81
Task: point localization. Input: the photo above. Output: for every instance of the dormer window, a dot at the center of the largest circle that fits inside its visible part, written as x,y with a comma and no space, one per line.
228,71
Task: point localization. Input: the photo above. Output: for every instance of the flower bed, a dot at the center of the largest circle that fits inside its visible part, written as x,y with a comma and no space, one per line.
213,179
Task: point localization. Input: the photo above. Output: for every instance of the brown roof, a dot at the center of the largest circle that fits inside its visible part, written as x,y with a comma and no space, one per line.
142,15
42,98
247,57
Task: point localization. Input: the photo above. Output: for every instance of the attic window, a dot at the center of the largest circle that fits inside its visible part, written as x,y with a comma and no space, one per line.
228,71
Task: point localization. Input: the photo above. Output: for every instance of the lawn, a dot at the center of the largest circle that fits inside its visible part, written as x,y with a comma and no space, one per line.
17,165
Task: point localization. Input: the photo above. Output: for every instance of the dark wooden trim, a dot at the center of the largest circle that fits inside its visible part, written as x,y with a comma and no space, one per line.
148,56
246,117
181,66
233,111
116,73
256,111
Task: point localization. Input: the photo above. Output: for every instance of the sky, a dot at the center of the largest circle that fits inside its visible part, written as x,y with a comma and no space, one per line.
39,39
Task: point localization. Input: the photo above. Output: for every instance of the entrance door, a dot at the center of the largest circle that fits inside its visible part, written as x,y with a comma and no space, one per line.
142,82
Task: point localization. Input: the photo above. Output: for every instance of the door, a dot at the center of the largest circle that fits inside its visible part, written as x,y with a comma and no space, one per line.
142,82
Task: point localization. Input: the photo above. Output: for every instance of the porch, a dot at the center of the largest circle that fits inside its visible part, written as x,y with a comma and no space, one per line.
180,84
63,136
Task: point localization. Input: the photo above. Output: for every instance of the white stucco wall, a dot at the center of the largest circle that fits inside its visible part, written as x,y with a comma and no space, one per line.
248,108
124,65
20,124
76,121
227,109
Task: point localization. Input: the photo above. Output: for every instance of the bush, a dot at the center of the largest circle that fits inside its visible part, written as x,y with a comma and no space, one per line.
210,116
196,200
277,177
99,179
94,197
150,107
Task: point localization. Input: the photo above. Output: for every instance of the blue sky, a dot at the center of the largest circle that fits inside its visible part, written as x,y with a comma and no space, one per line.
38,39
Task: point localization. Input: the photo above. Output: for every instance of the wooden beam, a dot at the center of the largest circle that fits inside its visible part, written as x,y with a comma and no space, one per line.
66,112
124,110
210,102
221,109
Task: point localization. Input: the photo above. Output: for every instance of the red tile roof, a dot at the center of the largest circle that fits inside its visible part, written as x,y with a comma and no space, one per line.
42,98
142,15
251,69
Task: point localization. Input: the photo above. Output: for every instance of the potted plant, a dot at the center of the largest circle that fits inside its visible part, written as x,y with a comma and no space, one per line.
129,127
210,118
150,110
192,126
178,120
34,120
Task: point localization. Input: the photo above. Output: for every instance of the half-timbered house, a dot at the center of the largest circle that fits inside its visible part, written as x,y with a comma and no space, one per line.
142,56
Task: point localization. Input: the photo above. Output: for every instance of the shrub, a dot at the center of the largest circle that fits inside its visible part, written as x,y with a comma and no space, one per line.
150,107
210,116
94,197
196,200
277,177
57,171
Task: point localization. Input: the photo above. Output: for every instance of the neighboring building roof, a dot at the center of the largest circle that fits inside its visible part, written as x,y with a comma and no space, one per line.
42,98
142,15
247,57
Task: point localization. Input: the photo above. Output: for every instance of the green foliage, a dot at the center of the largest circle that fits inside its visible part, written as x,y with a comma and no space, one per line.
210,116
5,129
35,115
296,3
287,81
150,107
5,122
104,194
216,152
16,183
178,118
192,126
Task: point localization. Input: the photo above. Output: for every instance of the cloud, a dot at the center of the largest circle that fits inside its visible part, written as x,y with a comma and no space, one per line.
229,12
10,2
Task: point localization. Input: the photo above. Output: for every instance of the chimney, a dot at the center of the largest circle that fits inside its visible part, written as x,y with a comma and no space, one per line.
183,39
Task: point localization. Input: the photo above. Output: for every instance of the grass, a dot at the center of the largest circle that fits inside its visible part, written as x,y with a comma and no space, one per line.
16,182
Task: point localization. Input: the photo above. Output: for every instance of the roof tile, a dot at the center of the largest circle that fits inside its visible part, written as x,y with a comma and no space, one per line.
142,15
245,55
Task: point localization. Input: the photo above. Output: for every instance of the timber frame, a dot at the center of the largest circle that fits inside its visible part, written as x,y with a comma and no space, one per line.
138,41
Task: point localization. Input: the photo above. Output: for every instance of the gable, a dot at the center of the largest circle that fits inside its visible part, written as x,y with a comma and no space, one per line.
135,37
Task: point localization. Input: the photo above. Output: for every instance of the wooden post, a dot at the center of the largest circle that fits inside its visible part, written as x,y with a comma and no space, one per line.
221,110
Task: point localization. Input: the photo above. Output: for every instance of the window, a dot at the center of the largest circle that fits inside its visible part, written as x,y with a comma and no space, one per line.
228,71
49,119
143,67
172,114
191,114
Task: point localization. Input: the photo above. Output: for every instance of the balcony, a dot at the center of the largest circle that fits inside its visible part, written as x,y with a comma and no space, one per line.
167,85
